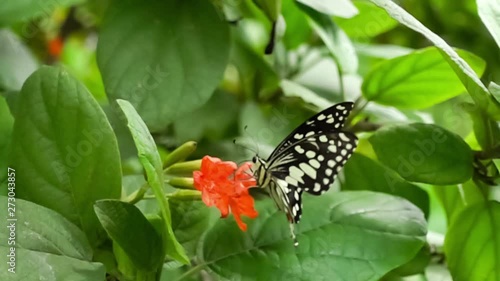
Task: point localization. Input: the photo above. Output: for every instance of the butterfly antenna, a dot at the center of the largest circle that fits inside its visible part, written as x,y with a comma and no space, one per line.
256,144
243,146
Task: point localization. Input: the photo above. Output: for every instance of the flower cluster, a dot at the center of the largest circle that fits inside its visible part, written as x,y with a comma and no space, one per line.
225,186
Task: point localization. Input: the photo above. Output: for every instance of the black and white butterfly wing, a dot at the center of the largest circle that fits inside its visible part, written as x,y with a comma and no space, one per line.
330,120
310,158
313,163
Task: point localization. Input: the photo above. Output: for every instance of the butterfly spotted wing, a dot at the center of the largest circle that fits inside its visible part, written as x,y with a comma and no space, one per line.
308,159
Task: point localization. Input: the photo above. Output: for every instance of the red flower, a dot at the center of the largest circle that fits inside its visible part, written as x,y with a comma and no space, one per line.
226,186
55,46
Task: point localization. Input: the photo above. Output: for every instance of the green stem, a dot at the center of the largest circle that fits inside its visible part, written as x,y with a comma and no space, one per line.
183,168
180,153
190,272
137,195
181,182
185,195
359,105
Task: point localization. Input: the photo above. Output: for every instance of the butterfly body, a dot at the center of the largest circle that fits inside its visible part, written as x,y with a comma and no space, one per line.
307,160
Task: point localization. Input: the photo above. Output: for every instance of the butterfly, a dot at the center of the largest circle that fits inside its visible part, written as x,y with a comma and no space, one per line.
308,159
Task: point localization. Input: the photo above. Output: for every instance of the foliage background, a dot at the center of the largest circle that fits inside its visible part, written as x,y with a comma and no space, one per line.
197,71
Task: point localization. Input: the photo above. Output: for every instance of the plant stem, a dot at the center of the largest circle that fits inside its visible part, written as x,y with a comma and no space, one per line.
190,272
137,195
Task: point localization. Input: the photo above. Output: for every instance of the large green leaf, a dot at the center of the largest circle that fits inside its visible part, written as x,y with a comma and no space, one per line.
46,245
363,173
471,81
64,149
32,265
369,22
17,61
24,10
195,125
472,244
151,161
190,220
334,38
417,80
424,153
489,11
165,57
42,230
366,231
128,227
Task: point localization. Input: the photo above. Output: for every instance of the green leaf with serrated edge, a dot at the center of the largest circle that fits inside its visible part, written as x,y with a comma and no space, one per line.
25,10
363,173
150,159
424,153
17,61
341,8
371,232
334,38
489,12
417,80
472,243
471,81
128,227
63,147
178,50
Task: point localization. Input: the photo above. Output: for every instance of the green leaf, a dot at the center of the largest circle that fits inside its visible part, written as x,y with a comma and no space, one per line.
43,230
64,149
24,10
489,12
294,89
369,22
494,90
190,220
486,130
272,8
340,8
469,79
331,231
6,125
424,153
32,265
17,61
417,80
223,110
472,244
337,42
258,79
455,198
128,227
165,57
150,160
362,173
296,32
